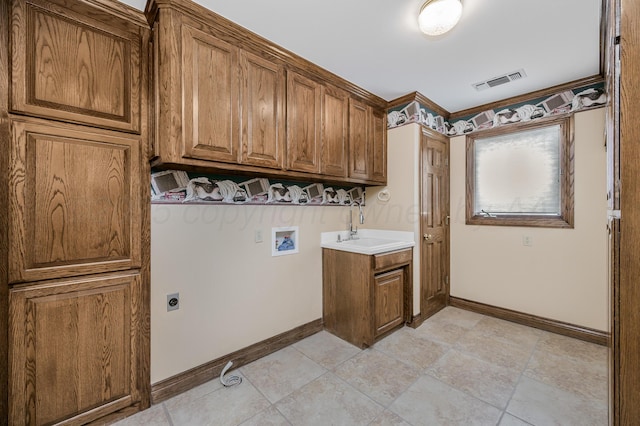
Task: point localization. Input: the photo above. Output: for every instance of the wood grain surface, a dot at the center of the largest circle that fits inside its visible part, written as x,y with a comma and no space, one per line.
629,313
75,201
211,97
263,85
434,211
303,123
378,147
388,304
236,113
366,297
359,142
334,138
73,346
69,66
4,211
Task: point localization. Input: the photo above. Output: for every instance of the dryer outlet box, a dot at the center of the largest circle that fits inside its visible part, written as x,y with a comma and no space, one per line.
173,301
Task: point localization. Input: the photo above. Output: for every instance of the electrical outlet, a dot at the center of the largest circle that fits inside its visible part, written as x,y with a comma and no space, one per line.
173,302
258,236
527,240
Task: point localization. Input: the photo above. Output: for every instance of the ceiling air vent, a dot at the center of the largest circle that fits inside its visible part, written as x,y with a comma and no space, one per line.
502,79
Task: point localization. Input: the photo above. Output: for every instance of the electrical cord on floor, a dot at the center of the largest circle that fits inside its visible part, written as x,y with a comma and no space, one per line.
231,380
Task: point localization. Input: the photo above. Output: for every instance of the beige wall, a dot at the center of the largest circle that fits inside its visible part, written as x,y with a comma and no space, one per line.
563,275
232,292
401,212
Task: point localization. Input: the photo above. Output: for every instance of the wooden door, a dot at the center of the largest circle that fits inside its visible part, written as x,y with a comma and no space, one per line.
303,123
359,150
210,97
71,65
334,136
74,348
379,147
263,123
75,201
434,217
388,300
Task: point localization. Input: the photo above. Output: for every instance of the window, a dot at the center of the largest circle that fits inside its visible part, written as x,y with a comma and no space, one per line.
521,175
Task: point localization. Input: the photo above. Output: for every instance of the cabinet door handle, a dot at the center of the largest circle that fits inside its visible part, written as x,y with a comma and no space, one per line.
427,237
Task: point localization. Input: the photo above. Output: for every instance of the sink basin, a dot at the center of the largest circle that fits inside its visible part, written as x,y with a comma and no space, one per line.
370,241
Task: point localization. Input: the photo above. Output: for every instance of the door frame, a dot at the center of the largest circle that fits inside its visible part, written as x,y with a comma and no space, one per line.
425,134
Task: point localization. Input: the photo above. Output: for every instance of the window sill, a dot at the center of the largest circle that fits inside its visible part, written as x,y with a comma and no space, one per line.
519,220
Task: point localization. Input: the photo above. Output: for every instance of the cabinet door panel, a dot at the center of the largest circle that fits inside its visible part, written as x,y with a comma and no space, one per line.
335,122
359,151
75,68
73,348
211,105
379,147
263,124
303,123
74,203
388,293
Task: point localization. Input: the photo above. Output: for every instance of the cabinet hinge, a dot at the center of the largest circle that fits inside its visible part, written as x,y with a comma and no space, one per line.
446,161
446,279
616,40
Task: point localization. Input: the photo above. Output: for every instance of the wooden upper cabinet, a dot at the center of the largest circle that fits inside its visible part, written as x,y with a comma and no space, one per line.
367,143
210,97
74,348
335,131
303,123
379,146
75,204
263,124
359,143
69,65
230,101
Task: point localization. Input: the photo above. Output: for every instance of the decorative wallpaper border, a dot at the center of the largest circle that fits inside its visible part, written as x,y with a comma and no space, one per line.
177,186
415,112
584,97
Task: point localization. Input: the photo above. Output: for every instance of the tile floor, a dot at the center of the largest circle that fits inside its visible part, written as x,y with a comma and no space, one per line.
458,368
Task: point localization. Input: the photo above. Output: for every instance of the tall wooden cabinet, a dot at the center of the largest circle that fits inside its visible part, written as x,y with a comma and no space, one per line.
74,260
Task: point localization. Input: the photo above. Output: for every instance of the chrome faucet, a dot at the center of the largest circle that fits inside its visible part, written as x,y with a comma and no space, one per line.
353,233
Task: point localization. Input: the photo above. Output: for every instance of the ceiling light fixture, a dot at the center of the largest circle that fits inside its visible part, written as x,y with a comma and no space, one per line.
439,16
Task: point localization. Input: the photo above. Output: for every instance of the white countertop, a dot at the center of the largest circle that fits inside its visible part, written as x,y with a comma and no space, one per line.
369,241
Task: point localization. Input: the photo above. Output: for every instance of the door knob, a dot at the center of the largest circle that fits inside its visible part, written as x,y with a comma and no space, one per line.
427,236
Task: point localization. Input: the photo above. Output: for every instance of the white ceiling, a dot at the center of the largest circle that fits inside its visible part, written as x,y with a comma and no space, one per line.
377,45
